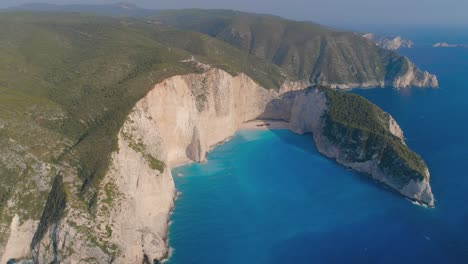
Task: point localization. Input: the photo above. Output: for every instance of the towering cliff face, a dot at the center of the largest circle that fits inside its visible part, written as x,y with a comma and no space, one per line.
182,118
143,191
403,73
360,136
195,112
81,172
178,121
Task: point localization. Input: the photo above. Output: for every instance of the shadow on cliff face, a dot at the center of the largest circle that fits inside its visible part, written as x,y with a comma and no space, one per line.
284,137
281,109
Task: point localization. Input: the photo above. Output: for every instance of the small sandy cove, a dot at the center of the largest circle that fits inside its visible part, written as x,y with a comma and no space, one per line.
258,124
264,124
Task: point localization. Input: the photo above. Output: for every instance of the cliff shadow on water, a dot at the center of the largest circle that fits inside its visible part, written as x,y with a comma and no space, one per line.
360,177
292,108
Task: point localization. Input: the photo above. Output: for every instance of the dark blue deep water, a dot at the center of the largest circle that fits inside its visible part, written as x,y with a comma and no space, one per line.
270,197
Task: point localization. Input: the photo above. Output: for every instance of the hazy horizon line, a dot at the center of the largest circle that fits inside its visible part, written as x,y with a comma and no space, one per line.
345,23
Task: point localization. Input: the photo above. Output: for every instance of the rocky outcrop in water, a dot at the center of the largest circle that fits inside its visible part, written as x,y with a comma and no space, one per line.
447,45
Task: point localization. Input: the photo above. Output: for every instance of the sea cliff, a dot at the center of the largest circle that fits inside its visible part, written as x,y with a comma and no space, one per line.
183,117
360,136
96,110
179,121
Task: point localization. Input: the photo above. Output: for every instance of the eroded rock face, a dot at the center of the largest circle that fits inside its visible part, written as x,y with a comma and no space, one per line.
307,111
395,129
21,235
139,215
308,115
179,121
414,77
419,191
191,124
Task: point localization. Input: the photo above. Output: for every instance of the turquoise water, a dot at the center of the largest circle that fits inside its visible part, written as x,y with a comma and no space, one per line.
270,197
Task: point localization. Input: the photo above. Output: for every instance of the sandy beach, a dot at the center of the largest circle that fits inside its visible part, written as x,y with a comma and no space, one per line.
264,124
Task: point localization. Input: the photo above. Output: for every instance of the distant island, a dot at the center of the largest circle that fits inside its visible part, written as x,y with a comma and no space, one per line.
389,42
447,45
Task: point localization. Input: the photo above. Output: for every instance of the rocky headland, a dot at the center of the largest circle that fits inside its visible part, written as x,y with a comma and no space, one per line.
390,43
96,110
180,120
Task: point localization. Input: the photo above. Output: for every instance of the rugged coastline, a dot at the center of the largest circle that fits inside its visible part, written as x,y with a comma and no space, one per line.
188,131
180,120
95,110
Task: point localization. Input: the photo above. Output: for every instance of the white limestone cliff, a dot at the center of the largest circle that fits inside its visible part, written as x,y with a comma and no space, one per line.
307,117
179,121
395,129
20,237
414,77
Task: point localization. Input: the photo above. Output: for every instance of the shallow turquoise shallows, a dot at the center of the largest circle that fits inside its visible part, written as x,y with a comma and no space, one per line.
270,197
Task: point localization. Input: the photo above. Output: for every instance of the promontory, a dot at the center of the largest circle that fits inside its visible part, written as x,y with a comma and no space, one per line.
95,110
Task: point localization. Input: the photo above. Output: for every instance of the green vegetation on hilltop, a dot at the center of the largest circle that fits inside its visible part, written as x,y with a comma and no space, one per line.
356,112
361,130
302,50
306,51
68,81
94,68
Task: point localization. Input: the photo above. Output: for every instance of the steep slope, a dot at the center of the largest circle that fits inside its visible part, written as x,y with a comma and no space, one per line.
67,83
389,42
179,120
359,135
306,51
93,113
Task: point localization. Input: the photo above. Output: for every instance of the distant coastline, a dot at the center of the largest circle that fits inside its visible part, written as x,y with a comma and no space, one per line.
447,45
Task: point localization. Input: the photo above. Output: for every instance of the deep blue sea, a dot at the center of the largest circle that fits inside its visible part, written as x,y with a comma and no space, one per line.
270,197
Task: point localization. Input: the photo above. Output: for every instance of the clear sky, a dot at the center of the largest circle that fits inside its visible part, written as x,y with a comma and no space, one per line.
332,12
